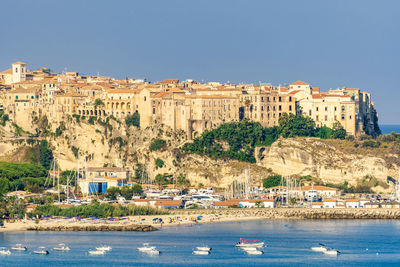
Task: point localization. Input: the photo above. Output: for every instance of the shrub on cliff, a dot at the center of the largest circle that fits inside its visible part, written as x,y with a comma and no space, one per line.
133,120
272,180
241,139
157,144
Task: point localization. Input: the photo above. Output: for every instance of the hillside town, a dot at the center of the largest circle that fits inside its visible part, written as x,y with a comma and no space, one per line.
181,105
191,107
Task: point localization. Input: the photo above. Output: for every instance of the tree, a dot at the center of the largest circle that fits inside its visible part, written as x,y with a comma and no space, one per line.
338,132
272,180
157,144
98,103
133,120
160,180
296,125
46,155
4,186
137,189
113,192
127,192
159,163
182,182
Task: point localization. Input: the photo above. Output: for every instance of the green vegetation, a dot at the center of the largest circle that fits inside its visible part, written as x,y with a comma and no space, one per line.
241,138
272,180
60,129
21,176
3,118
98,103
159,163
46,155
161,180
182,181
126,191
157,144
92,120
98,210
133,120
77,117
237,140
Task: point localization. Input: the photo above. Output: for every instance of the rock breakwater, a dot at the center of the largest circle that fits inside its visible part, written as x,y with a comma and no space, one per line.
304,213
88,227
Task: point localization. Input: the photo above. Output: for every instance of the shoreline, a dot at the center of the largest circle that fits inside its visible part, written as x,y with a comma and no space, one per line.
196,217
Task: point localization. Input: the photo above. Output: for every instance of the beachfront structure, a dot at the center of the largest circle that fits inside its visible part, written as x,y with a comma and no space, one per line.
304,192
188,105
352,203
329,203
96,180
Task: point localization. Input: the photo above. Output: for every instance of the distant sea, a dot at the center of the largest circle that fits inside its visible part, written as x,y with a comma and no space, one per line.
388,128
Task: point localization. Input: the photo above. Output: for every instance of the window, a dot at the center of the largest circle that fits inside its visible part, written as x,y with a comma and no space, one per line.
343,108
316,118
350,117
342,117
154,111
317,108
290,99
326,108
144,98
290,108
335,108
280,107
309,112
326,117
280,99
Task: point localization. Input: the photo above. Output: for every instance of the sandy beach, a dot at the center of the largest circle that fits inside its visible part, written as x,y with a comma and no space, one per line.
167,221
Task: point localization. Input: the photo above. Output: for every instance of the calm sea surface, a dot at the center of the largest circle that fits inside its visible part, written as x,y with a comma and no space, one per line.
388,128
362,243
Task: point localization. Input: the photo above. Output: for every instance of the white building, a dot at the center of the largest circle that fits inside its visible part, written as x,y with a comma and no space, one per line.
329,203
352,203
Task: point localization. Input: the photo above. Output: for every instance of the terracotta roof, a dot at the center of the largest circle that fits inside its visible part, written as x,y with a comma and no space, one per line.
329,200
120,91
169,81
19,63
9,71
319,188
70,94
161,95
352,200
167,202
210,96
299,83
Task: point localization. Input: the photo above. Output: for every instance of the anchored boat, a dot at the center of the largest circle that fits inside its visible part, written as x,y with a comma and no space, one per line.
62,247
249,243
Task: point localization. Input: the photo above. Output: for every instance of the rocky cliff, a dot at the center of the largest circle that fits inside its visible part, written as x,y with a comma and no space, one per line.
111,143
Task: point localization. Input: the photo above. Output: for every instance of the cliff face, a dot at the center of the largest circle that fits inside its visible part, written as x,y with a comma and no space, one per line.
328,160
115,144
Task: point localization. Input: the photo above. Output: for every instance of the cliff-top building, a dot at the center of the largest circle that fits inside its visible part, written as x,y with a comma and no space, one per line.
188,105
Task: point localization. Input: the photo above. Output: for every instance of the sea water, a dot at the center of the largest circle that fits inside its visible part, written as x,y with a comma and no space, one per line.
288,243
388,128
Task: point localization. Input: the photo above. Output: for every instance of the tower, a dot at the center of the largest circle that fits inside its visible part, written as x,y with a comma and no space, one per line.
18,72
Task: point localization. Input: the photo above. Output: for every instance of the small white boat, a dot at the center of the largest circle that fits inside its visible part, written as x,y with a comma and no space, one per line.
254,252
62,247
321,248
204,248
5,251
146,247
19,247
252,243
249,248
333,252
41,250
152,252
201,252
97,252
104,248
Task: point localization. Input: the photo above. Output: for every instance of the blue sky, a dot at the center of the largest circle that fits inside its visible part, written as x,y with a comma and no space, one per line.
325,43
